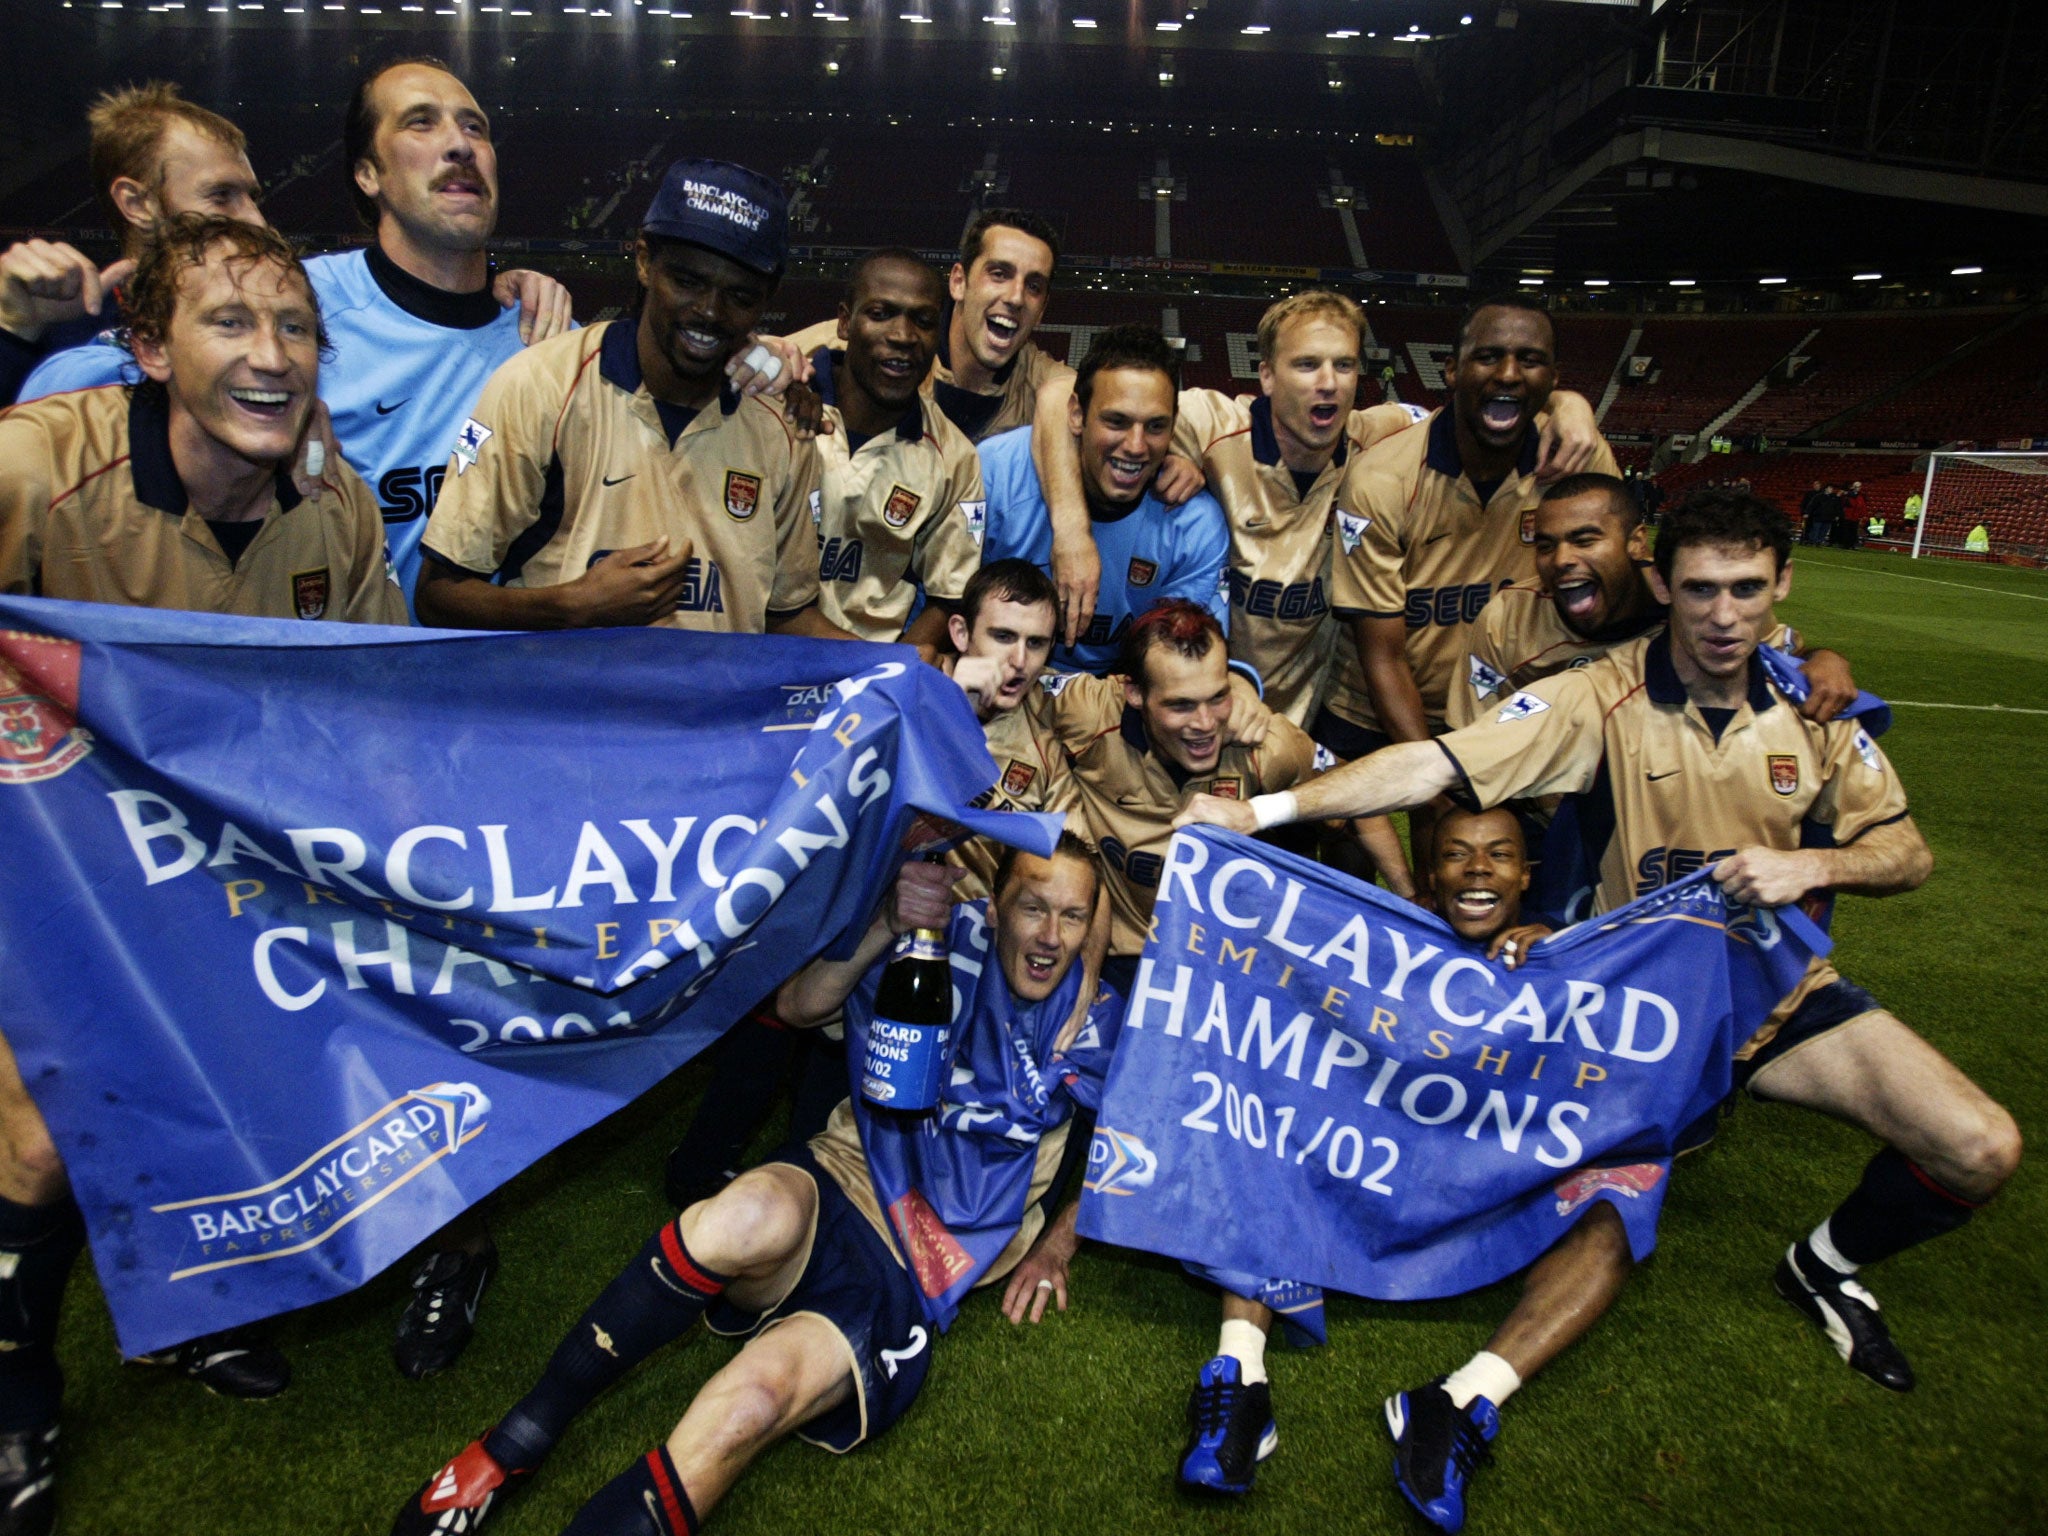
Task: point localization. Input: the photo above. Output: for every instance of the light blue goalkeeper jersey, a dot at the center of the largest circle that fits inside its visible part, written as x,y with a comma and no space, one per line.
408,364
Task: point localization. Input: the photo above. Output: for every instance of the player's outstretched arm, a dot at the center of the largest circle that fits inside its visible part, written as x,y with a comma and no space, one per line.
921,898
1076,564
1395,778
1884,861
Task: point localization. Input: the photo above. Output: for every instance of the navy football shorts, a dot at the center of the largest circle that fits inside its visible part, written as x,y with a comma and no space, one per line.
853,1282
1827,1008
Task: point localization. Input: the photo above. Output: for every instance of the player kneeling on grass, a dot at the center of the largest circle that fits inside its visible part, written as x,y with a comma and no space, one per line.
1441,1429
1679,742
797,1255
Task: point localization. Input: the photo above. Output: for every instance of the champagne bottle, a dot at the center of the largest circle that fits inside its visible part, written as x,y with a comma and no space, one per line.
910,1037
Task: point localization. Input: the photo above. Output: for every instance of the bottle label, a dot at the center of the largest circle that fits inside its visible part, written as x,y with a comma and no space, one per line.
920,944
905,1064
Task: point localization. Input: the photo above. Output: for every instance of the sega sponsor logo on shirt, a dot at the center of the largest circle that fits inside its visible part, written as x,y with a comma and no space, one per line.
1448,606
1302,600
1667,866
839,559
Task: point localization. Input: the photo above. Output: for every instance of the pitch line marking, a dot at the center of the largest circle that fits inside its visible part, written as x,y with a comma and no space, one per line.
1997,709
1932,581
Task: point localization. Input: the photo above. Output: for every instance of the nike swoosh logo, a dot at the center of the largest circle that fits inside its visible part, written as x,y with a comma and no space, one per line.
386,410
620,481
1654,777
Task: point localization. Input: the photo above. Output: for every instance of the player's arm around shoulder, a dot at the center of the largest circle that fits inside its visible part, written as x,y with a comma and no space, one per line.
1374,424
1082,708
1202,416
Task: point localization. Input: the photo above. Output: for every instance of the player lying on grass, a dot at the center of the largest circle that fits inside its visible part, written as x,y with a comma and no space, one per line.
1694,759
1441,1428
798,1256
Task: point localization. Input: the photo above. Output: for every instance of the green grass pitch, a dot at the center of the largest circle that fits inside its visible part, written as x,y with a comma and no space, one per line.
1702,1403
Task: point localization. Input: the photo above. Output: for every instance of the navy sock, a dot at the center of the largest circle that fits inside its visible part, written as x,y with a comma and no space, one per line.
37,1246
654,1300
647,1499
1896,1206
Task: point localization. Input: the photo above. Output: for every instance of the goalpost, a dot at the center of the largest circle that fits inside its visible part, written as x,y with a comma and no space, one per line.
1984,503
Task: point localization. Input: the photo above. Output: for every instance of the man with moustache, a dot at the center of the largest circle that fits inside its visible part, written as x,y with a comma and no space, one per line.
1120,416
613,476
178,493
900,510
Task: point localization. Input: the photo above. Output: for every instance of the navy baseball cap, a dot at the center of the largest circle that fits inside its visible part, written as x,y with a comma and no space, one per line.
723,207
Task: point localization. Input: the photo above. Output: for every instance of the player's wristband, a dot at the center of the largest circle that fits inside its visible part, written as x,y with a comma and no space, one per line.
1272,810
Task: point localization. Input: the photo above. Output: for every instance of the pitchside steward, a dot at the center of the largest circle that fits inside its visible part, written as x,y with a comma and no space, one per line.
1692,758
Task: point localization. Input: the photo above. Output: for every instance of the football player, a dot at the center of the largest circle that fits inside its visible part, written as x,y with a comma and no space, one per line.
803,1257
1693,757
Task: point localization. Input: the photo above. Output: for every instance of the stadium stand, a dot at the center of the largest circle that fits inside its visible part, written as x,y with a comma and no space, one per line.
1853,358
1701,365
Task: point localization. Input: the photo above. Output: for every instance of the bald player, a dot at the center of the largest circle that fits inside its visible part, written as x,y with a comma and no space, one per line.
1697,761
610,476
1590,594
900,510
177,494
1431,523
1479,877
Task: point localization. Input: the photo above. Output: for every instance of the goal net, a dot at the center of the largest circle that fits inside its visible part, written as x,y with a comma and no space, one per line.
1983,505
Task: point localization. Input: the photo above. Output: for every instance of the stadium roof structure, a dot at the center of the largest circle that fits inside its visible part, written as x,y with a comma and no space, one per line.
1617,141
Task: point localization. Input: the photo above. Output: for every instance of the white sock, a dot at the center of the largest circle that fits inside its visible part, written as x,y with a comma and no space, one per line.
1246,1344
1823,1245
1484,1375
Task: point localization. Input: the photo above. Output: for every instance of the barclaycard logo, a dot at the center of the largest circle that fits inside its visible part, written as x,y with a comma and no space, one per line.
1119,1163
303,1208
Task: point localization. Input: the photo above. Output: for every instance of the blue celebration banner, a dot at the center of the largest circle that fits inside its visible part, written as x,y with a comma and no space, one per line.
315,934
1319,1080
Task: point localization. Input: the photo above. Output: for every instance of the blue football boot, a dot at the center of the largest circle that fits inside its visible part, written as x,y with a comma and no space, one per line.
1437,1449
1230,1429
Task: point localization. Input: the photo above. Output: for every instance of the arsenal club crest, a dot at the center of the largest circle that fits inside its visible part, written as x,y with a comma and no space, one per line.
901,506
1143,572
309,593
1017,778
39,735
1784,773
742,494
1529,527
1227,789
